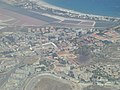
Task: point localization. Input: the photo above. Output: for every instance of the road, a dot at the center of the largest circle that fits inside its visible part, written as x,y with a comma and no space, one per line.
8,74
32,82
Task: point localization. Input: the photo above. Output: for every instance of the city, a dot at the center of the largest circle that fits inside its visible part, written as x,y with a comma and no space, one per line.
67,52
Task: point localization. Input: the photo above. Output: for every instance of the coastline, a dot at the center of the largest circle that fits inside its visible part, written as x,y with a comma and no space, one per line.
45,4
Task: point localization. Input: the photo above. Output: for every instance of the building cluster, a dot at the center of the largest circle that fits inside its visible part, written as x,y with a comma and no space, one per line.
7,64
56,50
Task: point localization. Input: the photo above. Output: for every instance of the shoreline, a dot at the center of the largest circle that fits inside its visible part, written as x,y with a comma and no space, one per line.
45,4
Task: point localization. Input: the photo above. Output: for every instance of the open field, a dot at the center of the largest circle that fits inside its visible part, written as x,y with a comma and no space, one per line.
48,82
51,84
18,19
72,22
5,17
80,22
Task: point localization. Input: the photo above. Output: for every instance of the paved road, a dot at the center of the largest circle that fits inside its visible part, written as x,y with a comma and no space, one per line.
8,74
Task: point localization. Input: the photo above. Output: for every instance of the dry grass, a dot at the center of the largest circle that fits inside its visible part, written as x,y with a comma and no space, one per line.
51,84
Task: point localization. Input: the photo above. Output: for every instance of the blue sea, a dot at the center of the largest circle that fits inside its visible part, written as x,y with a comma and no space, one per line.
97,7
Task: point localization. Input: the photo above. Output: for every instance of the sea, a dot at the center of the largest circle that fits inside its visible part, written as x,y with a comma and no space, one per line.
96,7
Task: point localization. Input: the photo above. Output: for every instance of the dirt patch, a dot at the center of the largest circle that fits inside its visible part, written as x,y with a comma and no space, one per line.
51,84
19,19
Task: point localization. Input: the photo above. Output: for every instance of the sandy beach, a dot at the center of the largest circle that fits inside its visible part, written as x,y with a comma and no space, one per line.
45,4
